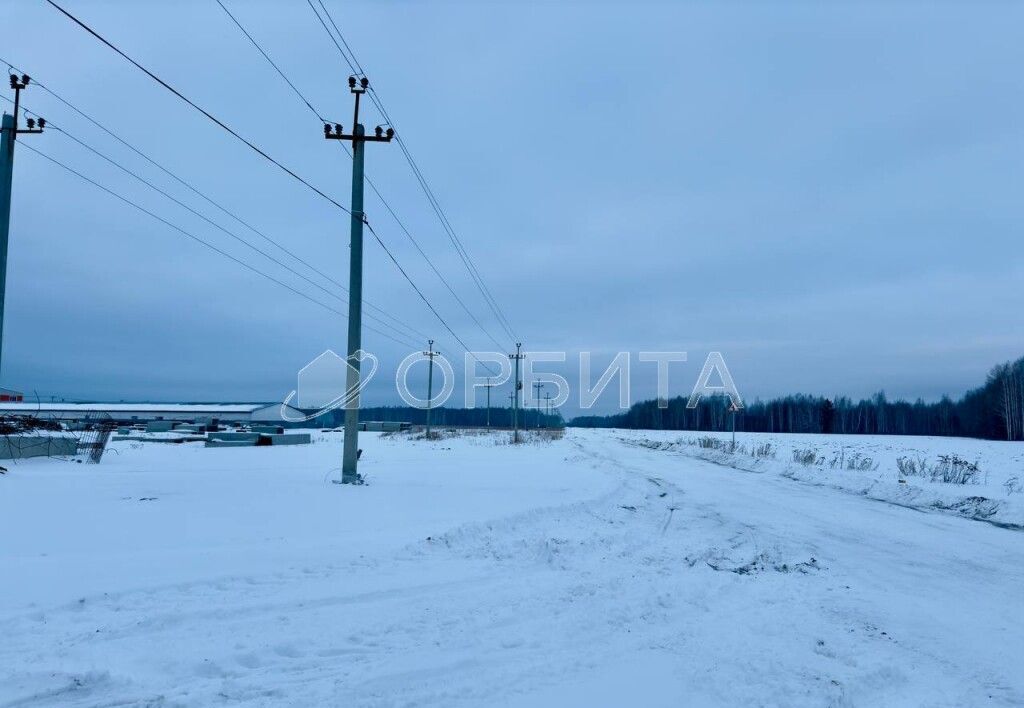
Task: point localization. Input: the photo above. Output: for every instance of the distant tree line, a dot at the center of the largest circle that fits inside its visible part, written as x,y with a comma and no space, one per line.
468,417
994,411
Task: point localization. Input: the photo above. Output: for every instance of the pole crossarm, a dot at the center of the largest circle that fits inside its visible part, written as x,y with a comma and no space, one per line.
337,132
19,84
333,133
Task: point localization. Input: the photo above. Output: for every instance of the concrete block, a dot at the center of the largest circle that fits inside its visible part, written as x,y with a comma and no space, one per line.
168,441
380,426
290,439
229,436
159,426
214,442
13,447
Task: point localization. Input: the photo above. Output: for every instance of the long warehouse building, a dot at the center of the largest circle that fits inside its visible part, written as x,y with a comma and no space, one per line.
142,412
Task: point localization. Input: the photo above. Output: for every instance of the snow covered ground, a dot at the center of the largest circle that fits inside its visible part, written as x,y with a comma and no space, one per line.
607,568
992,471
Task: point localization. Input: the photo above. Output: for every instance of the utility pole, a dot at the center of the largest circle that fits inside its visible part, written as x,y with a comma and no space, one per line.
430,379
547,405
733,410
537,386
359,138
8,134
489,387
519,387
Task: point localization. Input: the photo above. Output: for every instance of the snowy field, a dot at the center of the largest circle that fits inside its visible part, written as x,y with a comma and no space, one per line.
608,568
989,474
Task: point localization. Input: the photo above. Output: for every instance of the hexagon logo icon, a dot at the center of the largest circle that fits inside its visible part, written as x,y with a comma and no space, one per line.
323,384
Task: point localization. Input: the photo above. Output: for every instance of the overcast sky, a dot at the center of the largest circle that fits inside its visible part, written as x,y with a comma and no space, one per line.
830,196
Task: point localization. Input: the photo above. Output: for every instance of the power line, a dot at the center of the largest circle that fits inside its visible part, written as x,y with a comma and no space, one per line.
456,242
425,300
368,180
341,37
446,225
235,134
206,113
271,61
197,239
435,204
372,185
215,224
187,100
202,195
432,266
324,24
380,196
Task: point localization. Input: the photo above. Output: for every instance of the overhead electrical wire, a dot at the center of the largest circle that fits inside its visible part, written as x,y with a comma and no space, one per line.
194,105
369,181
341,37
217,226
428,192
377,192
197,239
425,300
313,8
446,225
235,134
205,197
271,61
405,274
430,263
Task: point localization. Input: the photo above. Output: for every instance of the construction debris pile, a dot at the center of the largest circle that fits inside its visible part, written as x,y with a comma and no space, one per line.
19,424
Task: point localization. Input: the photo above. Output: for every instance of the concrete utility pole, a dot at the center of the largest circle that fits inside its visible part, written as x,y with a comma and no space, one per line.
430,379
537,386
519,387
732,410
349,475
9,132
489,387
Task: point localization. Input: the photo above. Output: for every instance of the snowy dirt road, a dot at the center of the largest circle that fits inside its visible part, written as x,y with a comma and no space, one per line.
581,572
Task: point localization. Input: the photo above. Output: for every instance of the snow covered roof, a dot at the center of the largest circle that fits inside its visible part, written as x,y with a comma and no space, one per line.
176,408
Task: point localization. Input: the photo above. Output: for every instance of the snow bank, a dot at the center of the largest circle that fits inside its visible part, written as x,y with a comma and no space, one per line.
869,465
